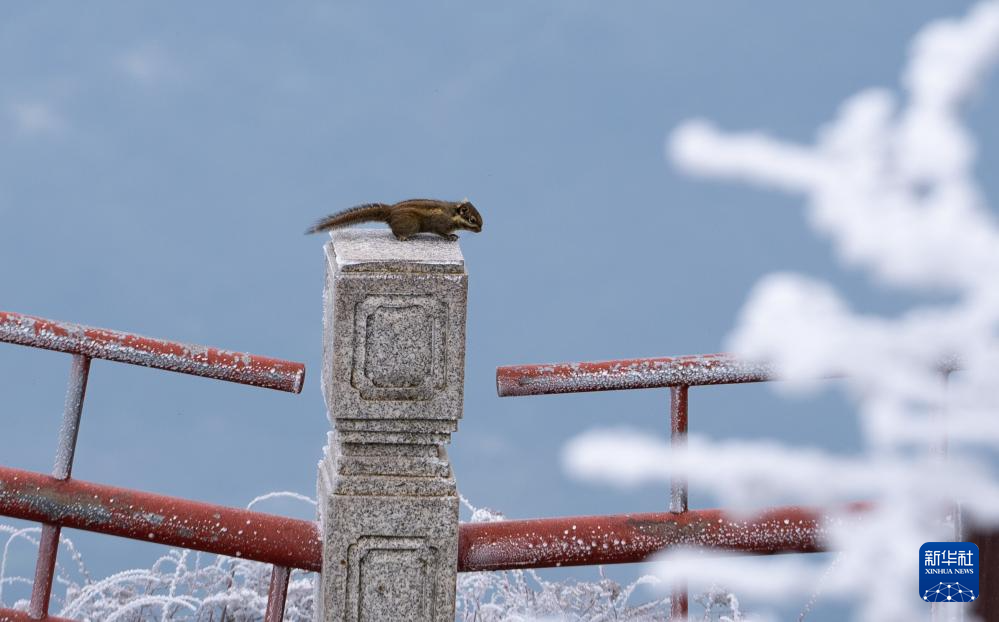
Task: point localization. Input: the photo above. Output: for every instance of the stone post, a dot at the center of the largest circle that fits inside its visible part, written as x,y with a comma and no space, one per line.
393,379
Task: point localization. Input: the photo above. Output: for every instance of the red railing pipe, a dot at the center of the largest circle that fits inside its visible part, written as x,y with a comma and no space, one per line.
646,373
157,518
505,545
111,345
628,538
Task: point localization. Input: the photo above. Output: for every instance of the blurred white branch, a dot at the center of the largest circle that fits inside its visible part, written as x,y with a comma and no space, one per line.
892,186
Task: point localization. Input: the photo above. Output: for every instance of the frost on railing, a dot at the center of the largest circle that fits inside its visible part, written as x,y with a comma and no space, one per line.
191,586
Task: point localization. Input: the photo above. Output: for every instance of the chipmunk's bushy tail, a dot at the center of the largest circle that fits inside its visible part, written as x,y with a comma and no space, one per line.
369,212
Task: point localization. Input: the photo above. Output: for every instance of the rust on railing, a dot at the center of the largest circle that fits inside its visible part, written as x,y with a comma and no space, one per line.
197,360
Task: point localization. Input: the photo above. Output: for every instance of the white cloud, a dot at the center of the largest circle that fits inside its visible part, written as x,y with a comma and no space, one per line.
35,118
147,64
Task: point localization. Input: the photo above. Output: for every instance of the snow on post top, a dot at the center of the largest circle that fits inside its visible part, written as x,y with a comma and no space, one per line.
377,250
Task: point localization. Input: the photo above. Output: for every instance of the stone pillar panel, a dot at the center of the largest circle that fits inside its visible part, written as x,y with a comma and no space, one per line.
395,333
386,557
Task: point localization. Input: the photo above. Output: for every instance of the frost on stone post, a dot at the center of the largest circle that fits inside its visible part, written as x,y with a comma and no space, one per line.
393,374
890,182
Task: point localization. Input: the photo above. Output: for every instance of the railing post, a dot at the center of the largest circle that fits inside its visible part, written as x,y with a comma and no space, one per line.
393,379
678,488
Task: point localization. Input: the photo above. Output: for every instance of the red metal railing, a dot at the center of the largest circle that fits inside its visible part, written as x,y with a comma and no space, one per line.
157,518
629,538
111,345
58,501
578,540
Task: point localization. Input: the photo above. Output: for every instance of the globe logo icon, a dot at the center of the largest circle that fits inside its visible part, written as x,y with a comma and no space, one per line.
948,592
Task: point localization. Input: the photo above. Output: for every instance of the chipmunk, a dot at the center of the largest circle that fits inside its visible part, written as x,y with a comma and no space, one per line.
407,218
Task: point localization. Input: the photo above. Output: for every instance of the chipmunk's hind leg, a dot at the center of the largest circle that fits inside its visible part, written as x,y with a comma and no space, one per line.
404,225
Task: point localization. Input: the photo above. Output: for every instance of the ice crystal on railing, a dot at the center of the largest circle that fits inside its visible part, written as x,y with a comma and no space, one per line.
190,586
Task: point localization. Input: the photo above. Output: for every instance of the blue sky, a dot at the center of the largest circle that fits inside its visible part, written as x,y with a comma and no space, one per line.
158,163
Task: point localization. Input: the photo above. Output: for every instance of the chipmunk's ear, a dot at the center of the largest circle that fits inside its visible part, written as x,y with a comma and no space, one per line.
465,201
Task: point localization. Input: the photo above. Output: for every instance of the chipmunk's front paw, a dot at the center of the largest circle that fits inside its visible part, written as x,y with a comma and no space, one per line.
452,236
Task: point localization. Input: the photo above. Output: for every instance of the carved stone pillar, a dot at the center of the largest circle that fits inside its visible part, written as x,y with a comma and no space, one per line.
393,379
